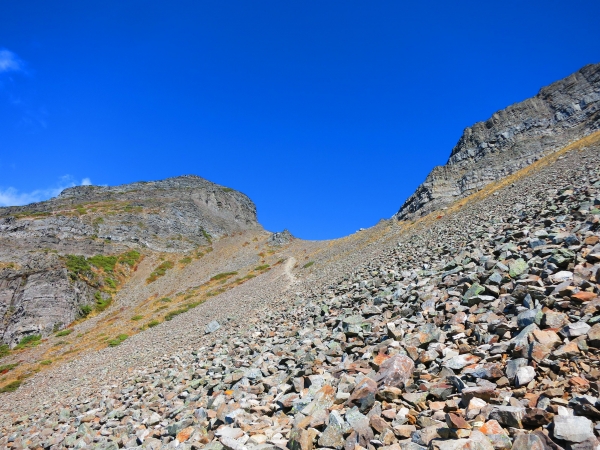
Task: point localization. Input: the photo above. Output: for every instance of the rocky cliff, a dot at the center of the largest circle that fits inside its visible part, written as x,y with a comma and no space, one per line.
511,139
44,285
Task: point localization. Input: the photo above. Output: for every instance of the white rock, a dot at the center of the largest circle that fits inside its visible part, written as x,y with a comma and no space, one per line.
573,428
524,375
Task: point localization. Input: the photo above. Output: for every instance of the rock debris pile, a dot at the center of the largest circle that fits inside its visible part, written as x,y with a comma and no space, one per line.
480,331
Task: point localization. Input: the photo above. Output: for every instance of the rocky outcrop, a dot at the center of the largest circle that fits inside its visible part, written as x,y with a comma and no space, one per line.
176,214
39,298
280,238
511,139
38,294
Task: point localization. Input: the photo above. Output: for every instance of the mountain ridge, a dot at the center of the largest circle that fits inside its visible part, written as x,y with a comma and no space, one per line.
102,224
511,139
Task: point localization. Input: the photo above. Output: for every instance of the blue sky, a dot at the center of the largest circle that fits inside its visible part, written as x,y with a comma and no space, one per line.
328,114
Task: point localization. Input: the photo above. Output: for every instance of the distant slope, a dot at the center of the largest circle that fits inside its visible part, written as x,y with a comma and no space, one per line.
46,282
511,139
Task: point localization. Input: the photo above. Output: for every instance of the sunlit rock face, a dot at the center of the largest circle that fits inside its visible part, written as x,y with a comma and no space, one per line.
512,139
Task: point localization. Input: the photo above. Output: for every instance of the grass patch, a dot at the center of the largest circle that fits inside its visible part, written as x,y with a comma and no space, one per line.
185,308
165,300
10,387
64,333
130,258
170,315
160,271
185,260
226,189
207,236
117,341
29,341
111,283
85,310
152,323
106,263
138,317
247,277
4,350
101,303
46,362
308,264
263,267
224,275
80,265
77,264
7,368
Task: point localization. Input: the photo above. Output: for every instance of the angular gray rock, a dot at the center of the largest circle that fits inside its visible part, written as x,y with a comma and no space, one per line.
212,327
573,428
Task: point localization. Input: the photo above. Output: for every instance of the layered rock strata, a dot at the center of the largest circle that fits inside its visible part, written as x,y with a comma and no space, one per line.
38,295
511,139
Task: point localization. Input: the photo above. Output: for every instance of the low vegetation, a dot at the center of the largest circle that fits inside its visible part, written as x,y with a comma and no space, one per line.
7,368
222,276
308,264
118,340
207,236
170,315
10,387
130,258
160,271
4,350
106,263
29,341
102,273
77,265
64,332
85,310
101,302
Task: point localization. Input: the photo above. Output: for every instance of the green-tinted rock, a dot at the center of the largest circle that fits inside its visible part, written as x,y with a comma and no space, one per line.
473,291
517,267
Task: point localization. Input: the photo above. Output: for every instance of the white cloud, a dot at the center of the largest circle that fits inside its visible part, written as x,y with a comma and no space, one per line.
9,62
13,197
